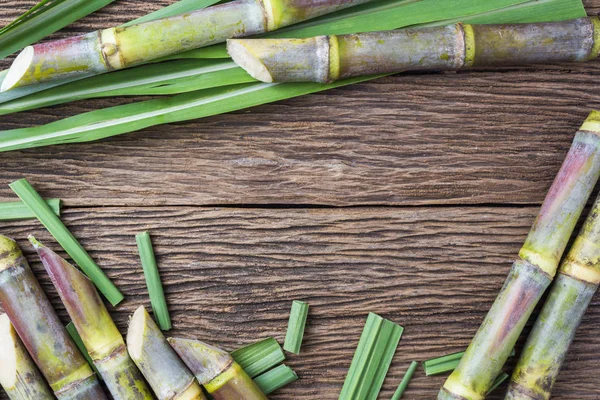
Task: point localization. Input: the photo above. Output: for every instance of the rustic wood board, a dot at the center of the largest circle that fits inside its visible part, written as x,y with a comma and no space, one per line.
242,208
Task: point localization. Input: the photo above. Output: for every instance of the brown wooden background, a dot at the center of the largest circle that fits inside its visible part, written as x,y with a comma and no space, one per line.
408,196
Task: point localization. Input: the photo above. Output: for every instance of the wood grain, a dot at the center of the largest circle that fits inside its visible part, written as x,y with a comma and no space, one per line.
457,165
230,276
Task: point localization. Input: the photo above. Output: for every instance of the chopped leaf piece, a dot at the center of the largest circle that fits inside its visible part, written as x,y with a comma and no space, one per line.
372,359
275,379
259,357
296,325
155,288
54,225
499,380
405,380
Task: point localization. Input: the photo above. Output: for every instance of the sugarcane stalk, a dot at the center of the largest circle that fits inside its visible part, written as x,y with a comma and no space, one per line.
122,47
168,376
533,272
547,345
70,377
98,332
216,370
19,376
453,47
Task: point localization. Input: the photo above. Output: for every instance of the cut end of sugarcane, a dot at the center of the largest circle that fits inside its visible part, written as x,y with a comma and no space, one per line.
9,252
8,355
241,53
205,361
18,69
135,333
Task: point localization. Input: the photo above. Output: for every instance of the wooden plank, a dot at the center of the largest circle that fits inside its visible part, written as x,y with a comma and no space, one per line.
230,275
461,138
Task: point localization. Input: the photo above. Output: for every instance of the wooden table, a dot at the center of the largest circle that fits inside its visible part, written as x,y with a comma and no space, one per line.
408,196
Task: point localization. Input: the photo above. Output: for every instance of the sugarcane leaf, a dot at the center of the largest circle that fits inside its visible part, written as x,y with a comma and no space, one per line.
179,7
45,18
121,119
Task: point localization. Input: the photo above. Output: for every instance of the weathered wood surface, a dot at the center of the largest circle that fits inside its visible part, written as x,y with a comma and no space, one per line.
458,164
230,275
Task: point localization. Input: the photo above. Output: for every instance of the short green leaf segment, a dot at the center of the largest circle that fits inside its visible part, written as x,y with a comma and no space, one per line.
405,380
16,210
498,381
259,357
44,18
54,225
275,379
372,359
155,288
379,14
533,271
296,325
79,342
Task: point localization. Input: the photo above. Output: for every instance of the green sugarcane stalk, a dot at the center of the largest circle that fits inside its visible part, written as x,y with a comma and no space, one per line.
122,47
571,293
19,376
216,370
98,332
453,47
533,272
69,375
168,376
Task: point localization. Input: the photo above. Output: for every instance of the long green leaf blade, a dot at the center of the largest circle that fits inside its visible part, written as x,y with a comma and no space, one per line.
179,7
46,20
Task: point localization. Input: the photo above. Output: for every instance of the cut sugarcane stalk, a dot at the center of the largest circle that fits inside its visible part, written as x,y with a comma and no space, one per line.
216,370
98,332
168,376
19,376
532,273
122,47
330,58
44,336
554,330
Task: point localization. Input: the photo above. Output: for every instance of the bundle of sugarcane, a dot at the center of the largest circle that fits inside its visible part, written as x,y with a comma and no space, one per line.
122,47
533,272
217,371
166,373
98,332
66,370
554,330
452,47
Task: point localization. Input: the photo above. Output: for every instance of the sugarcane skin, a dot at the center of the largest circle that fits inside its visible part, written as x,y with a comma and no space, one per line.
527,280
570,295
232,384
27,382
94,324
450,47
122,47
549,341
168,376
48,343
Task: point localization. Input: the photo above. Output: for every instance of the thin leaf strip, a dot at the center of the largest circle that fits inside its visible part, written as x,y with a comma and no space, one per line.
153,282
57,229
79,343
16,210
296,325
405,380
